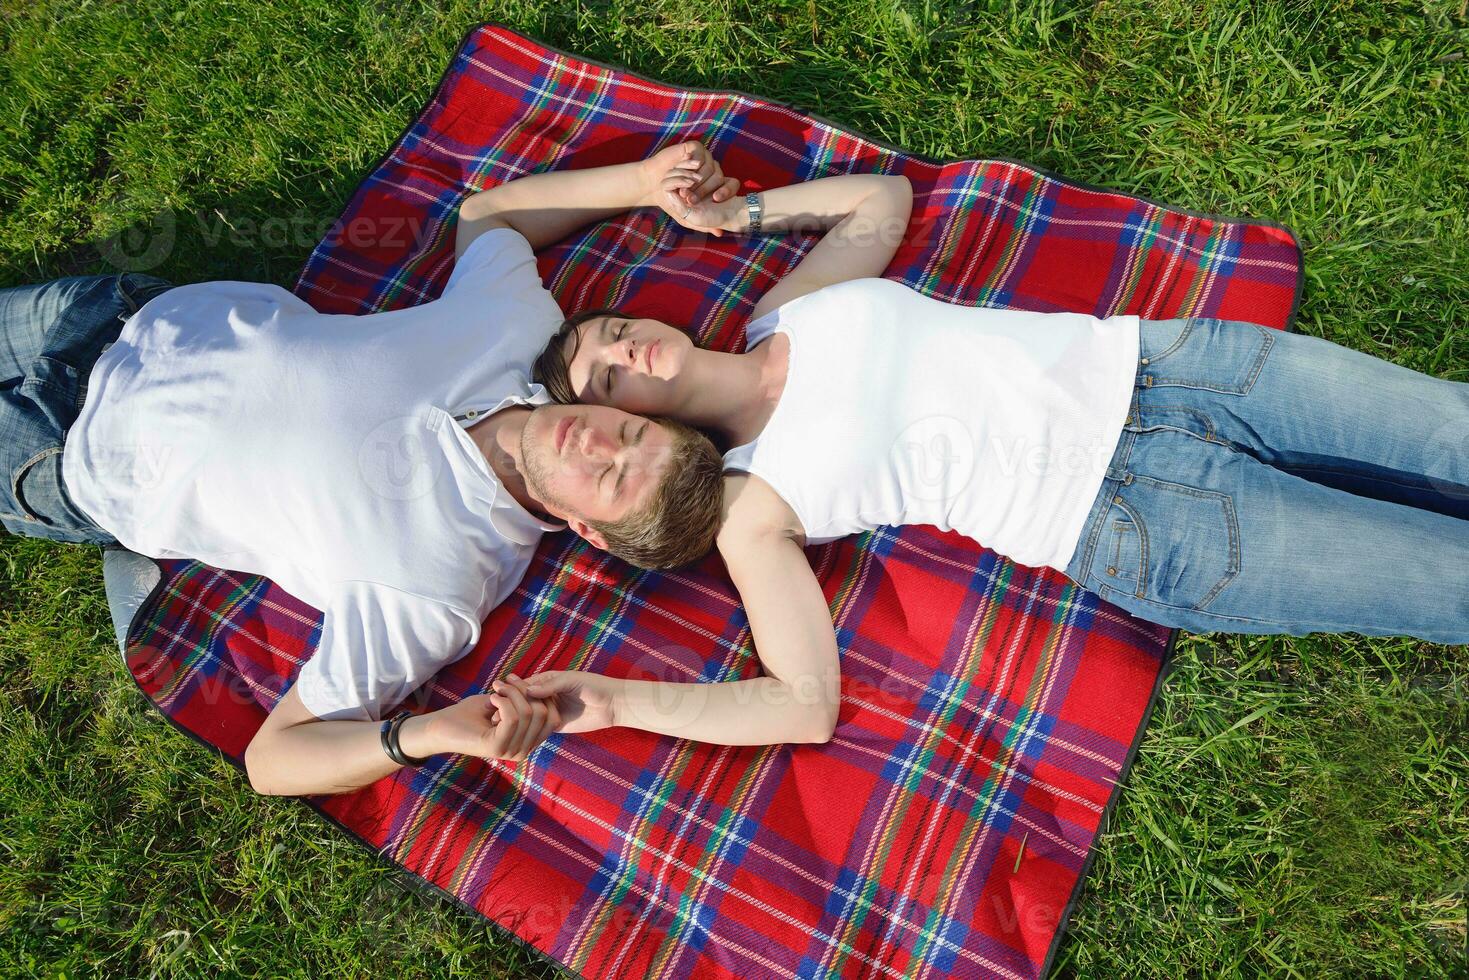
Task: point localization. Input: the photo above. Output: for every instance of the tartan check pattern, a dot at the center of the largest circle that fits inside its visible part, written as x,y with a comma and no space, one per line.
989,711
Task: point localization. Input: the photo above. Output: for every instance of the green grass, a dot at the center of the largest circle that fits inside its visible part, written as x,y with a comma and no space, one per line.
1300,806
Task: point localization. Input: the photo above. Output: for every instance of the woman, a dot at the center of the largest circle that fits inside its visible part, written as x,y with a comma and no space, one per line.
1195,472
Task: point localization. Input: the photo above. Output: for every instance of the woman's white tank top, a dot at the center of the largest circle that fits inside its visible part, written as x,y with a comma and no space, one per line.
903,409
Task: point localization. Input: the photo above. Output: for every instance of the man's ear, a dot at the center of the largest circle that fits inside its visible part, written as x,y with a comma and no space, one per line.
587,533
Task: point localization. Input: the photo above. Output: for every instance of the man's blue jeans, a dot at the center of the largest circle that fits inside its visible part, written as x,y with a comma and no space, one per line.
50,336
1268,482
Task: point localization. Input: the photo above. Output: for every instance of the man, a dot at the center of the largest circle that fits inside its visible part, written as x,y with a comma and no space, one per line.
394,470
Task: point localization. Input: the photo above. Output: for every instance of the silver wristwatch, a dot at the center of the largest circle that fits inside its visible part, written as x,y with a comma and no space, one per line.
756,210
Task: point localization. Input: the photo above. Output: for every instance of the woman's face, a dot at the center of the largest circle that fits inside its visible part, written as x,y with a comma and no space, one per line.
628,363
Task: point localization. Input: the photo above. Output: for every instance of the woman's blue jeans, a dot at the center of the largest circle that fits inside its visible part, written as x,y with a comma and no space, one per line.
1268,482
50,336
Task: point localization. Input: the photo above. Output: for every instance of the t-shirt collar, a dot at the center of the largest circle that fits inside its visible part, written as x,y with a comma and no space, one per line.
508,516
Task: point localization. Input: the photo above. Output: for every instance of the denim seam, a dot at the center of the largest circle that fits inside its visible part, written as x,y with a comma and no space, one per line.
67,504
15,481
1213,439
126,295
1249,382
1182,409
1231,516
1142,537
1224,616
1109,489
1118,529
44,383
1188,328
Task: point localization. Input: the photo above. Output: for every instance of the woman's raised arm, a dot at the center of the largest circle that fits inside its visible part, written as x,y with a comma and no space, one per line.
547,207
864,217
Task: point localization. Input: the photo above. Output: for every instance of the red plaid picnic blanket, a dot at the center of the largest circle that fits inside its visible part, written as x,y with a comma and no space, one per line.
990,711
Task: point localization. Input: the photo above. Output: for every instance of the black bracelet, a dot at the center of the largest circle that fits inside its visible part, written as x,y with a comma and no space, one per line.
383,737
389,736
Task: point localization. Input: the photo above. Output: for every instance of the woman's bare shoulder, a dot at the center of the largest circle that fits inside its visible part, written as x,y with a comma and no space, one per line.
753,510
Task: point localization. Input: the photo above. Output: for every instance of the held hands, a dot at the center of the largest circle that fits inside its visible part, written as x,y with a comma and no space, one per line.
585,702
507,724
523,712
691,188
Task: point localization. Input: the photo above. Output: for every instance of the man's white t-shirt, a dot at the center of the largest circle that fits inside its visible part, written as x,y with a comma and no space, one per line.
233,424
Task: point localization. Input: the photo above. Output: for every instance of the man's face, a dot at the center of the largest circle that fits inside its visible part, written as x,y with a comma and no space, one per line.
591,462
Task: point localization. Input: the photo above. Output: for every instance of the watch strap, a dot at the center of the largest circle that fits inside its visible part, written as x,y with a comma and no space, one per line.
756,210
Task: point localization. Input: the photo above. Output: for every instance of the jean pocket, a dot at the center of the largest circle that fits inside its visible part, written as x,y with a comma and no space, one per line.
41,495
50,393
1212,355
1171,544
1124,555
1158,338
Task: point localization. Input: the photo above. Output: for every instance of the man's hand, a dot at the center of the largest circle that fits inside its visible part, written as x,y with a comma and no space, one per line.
685,181
507,724
714,217
585,702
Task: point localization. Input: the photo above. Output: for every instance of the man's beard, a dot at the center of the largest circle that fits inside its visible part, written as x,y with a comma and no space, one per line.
538,471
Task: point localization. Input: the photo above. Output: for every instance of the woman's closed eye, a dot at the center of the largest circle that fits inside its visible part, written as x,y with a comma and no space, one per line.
616,336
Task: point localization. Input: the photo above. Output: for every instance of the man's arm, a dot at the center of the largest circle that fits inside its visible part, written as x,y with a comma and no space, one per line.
295,753
547,207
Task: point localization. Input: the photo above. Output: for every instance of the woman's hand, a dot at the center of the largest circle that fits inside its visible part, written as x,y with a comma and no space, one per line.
507,724
585,702
711,215
690,187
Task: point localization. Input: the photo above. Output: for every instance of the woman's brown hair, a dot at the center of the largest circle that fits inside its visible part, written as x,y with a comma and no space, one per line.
552,369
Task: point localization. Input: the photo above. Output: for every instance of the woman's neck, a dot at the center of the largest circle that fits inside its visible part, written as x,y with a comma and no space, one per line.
734,395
